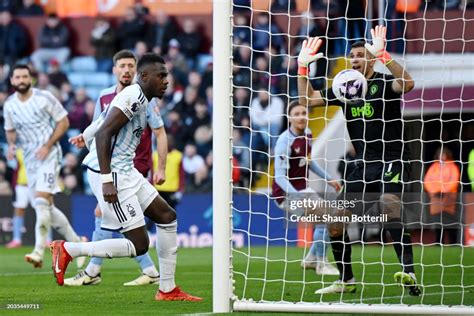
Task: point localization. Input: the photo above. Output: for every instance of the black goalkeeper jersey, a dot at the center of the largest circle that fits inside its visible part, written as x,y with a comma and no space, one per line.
375,125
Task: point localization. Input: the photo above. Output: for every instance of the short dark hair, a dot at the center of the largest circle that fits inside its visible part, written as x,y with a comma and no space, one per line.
149,58
20,66
124,53
358,44
293,104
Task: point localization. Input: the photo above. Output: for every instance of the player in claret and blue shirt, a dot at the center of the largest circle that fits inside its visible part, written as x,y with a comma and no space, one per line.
292,165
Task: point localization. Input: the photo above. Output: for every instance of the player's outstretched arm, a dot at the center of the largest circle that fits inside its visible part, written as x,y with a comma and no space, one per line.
61,127
159,176
404,82
114,121
308,54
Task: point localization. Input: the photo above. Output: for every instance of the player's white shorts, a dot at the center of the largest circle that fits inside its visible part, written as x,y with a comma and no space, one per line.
22,196
44,178
135,194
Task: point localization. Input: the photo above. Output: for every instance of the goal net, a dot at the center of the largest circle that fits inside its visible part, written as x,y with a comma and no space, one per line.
268,258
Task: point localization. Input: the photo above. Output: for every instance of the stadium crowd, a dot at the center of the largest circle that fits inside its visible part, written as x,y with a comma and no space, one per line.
260,76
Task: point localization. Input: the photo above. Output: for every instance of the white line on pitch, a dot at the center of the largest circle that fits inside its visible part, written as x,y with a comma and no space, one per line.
400,296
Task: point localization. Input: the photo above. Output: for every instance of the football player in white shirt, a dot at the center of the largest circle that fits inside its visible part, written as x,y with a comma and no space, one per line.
36,120
124,195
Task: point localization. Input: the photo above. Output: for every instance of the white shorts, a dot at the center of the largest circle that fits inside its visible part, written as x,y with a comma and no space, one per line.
45,178
22,196
135,194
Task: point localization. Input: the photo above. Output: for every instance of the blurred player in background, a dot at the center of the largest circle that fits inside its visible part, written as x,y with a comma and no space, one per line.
36,120
22,200
125,69
376,129
124,195
292,155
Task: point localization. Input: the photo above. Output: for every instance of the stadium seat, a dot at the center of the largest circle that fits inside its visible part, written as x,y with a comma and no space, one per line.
77,79
98,80
83,64
202,61
93,92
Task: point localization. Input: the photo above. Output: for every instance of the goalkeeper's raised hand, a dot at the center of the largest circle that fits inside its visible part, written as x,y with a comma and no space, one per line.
378,47
308,54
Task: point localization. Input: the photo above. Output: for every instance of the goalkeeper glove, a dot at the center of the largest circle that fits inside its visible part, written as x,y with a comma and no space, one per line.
308,54
378,45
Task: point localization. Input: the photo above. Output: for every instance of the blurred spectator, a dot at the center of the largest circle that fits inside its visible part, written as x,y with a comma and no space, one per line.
243,55
141,10
262,76
140,49
207,77
261,33
242,76
210,98
161,32
176,62
190,41
131,30
241,152
241,29
174,127
203,140
201,115
4,78
13,39
66,93
103,41
283,6
186,106
173,187
346,24
266,116
53,39
5,188
77,110
195,81
56,76
3,97
10,6
71,175
241,104
30,8
441,182
195,168
44,84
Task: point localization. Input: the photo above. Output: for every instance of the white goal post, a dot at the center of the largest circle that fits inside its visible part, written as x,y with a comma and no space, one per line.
225,298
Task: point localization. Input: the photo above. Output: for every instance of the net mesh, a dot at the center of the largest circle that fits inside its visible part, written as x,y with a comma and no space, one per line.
433,41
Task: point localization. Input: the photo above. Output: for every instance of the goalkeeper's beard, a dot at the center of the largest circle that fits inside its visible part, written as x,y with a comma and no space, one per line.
22,88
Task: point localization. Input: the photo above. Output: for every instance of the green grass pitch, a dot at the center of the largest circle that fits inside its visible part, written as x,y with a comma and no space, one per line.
21,284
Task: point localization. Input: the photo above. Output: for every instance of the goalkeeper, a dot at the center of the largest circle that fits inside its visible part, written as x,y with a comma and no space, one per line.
376,129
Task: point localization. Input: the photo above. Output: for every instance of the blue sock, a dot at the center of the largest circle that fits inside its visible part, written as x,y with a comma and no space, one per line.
99,234
144,261
17,227
319,238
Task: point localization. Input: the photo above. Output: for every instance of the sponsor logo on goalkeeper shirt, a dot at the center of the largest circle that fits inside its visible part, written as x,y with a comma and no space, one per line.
366,110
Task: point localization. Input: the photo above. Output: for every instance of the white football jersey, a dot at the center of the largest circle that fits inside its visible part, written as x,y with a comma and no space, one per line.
34,122
133,103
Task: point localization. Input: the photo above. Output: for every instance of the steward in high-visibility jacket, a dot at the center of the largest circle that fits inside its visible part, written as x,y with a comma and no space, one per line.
442,183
